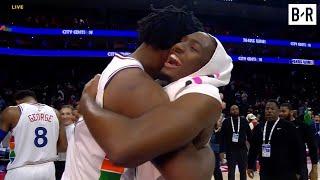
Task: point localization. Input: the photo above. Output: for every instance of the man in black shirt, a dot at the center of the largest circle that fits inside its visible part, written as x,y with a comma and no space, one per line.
307,134
278,146
235,132
316,125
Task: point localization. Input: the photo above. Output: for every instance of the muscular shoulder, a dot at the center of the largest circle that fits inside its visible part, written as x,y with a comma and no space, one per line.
9,117
198,106
11,111
133,89
135,78
195,99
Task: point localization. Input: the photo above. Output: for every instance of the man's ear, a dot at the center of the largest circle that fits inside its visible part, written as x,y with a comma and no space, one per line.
291,113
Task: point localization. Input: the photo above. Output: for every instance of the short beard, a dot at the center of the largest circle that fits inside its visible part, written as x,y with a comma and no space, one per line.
234,115
288,118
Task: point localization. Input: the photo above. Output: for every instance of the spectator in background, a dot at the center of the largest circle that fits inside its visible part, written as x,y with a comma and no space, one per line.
317,129
278,146
235,132
307,134
307,117
238,97
215,142
252,119
68,119
72,99
302,108
244,97
60,94
250,110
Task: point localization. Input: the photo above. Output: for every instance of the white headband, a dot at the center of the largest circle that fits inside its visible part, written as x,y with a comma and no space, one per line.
219,66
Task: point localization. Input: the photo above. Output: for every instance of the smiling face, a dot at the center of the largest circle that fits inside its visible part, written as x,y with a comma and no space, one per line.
66,115
188,56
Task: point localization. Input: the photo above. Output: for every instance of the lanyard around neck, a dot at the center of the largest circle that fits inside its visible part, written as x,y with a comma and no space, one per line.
265,130
233,125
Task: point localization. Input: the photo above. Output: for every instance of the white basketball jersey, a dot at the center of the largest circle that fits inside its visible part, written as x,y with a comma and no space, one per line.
86,160
69,134
34,139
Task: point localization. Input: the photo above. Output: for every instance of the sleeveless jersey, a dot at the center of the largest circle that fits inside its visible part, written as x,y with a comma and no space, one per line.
34,139
86,159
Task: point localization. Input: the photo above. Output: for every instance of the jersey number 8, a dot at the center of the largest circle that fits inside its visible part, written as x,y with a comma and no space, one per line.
41,139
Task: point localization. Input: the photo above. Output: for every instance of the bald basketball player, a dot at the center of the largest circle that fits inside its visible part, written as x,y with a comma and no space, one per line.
132,79
180,125
36,137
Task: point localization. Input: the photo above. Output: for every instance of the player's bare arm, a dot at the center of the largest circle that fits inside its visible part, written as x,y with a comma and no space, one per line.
8,120
131,93
188,163
154,133
62,143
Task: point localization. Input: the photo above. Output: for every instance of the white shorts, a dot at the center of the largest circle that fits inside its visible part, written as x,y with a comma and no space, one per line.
45,171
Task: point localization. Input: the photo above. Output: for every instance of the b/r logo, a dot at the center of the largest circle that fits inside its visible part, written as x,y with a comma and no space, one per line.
302,14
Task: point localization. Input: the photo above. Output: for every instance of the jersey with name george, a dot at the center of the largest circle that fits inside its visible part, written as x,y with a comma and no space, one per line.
34,138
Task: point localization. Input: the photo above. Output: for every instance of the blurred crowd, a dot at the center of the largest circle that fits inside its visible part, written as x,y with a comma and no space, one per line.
250,87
